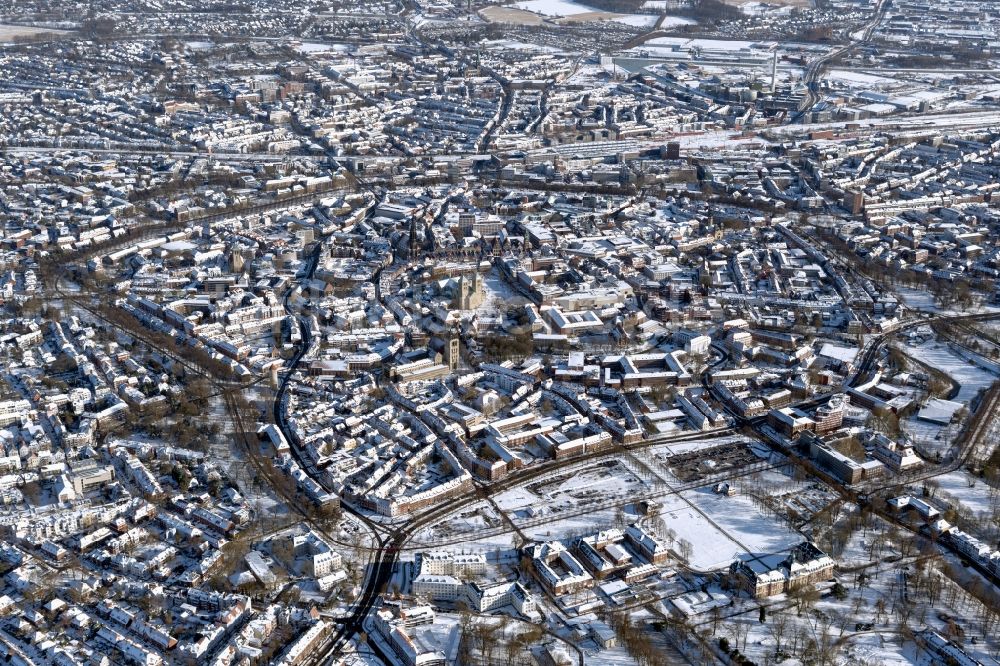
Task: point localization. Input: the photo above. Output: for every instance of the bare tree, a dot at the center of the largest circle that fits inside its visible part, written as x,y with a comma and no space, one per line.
777,627
739,630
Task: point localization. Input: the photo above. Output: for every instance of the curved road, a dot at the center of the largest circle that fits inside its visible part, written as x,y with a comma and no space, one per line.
386,550
815,68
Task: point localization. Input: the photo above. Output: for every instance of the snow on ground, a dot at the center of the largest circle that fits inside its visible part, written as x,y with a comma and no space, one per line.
470,528
719,529
571,9
711,139
923,121
917,298
703,44
319,47
586,482
880,645
563,528
499,296
10,32
639,20
930,437
862,549
921,299
587,74
878,648
676,21
971,377
858,77
515,499
573,493
955,486
725,528
698,444
553,7
510,14
760,638
522,46
763,8
749,531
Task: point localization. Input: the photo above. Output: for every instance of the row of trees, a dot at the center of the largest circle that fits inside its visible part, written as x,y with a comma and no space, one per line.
635,638
161,341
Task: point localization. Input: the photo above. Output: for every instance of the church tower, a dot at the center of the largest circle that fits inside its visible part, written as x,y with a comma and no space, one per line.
414,238
452,351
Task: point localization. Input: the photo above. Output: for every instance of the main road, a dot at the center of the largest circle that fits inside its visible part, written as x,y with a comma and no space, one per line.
815,68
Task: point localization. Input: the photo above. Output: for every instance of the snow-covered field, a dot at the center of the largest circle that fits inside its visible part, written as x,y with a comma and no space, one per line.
703,44
931,437
319,47
521,46
917,298
553,7
639,20
731,528
675,21
571,9
11,32
923,299
516,499
955,487
971,377
696,444
763,8
858,78
587,523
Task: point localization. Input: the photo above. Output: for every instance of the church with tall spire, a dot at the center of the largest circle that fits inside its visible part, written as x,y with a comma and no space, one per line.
414,237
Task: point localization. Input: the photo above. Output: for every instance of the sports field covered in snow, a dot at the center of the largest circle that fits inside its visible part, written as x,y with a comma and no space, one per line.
553,7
